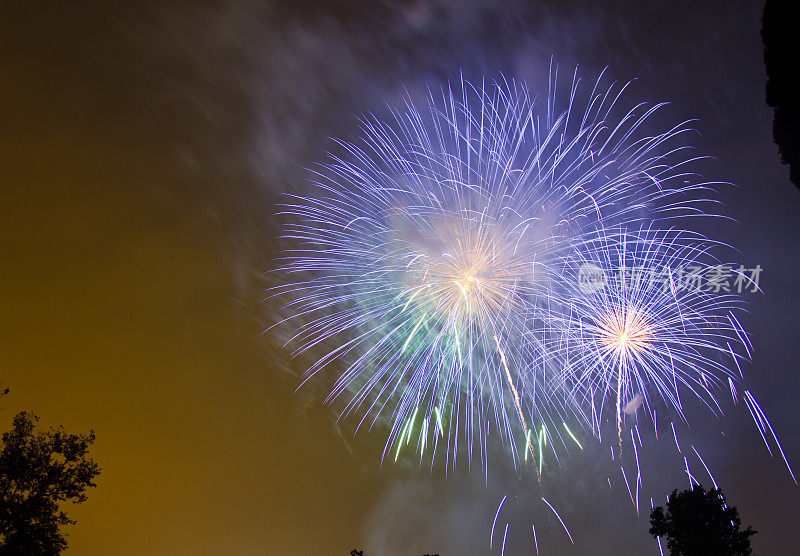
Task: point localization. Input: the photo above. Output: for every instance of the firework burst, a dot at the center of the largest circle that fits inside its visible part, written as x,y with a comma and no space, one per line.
429,252
639,331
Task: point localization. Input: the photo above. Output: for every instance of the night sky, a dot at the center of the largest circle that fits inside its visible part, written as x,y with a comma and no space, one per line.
143,150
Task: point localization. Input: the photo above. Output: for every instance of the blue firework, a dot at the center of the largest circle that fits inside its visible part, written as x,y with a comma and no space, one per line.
425,263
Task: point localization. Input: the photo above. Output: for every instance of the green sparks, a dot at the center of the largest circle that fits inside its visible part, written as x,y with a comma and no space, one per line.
414,331
410,299
527,444
458,345
573,436
402,437
439,421
541,457
411,428
408,429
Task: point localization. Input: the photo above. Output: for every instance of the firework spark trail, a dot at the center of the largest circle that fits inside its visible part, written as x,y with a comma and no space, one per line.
734,397
675,436
762,418
519,408
494,523
638,472
655,424
542,439
564,525
705,466
572,436
757,421
527,442
692,480
627,484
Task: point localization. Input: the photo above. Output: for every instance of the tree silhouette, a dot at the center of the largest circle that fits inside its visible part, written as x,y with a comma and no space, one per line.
40,470
781,50
698,522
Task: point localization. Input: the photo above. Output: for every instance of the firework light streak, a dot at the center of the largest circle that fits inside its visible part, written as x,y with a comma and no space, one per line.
518,404
675,436
564,525
708,471
494,523
572,436
542,439
762,421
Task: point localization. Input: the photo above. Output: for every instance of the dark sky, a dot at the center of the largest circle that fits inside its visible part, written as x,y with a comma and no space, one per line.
142,150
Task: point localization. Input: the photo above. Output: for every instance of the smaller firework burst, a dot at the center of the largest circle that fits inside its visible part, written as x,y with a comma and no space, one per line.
638,332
